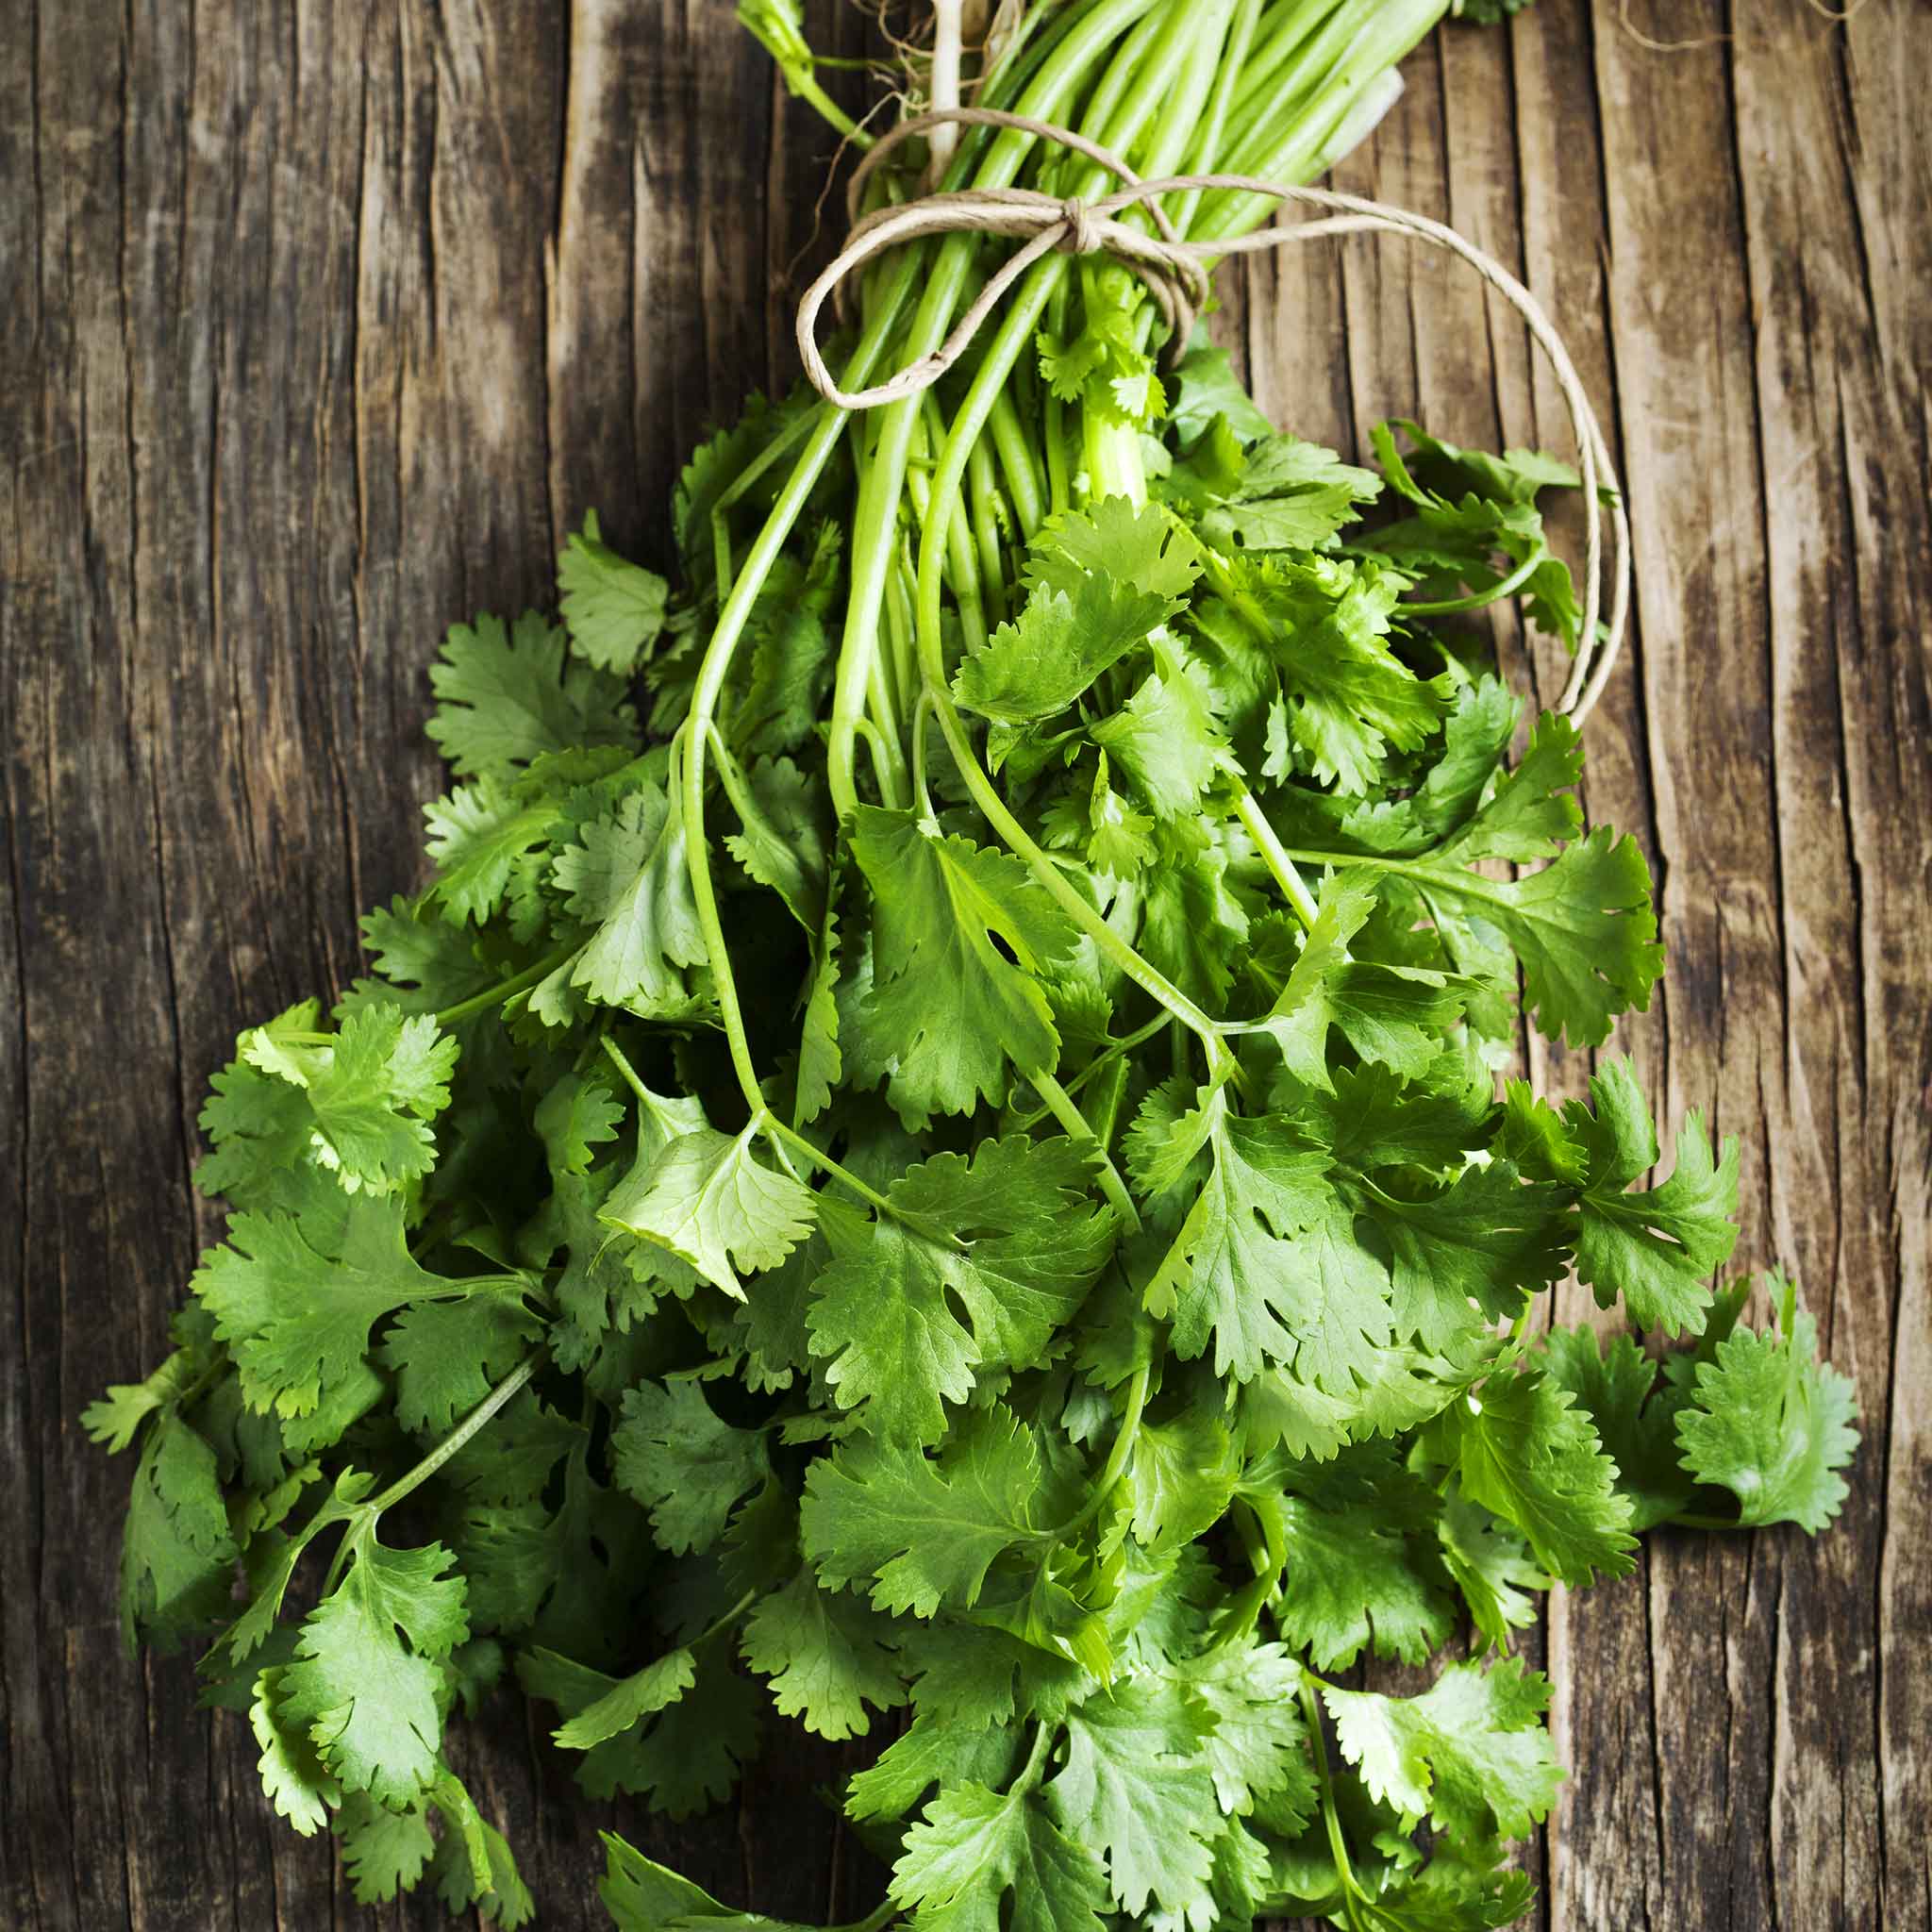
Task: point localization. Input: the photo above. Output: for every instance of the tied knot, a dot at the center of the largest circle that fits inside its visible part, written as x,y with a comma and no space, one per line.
1080,227
1130,226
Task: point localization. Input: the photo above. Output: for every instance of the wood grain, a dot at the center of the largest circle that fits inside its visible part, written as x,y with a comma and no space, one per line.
324,319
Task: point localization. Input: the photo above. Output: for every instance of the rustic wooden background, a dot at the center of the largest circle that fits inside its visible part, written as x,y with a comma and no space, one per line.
322,320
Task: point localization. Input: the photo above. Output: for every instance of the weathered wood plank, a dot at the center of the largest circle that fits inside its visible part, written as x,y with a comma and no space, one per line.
326,319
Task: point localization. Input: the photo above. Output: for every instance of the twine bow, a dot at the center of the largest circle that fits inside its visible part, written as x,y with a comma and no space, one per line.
1175,272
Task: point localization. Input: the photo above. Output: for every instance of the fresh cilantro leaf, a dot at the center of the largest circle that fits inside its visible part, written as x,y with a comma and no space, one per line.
480,836
1308,637
1192,925
827,1656
505,698
931,1752
1471,1254
372,1088
178,1550
1363,1565
1618,1386
709,1200
974,1849
296,1318
639,1696
682,1756
114,1419
1267,1265
975,1265
674,1455
573,1118
1518,476
1258,1748
1470,1753
1772,1424
1136,1787
1101,580
642,1895
447,1356
784,837
1491,1567
414,949
384,1850
473,1865
923,1531
1165,738
613,610
1655,1248
628,880
1286,494
1521,1447
1395,1016
1183,1477
959,935
1205,386
293,1776
364,1684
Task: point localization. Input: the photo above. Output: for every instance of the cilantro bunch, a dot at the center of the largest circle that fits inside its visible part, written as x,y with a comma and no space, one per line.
930,1162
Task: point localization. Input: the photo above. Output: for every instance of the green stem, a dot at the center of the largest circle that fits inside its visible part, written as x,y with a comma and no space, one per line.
986,530
505,990
779,446
1110,1054
1035,1767
1025,484
710,684
1331,1818
1476,600
726,1620
1015,332
772,1127
1474,883
1118,1456
477,1418
882,480
921,712
1059,1104
1278,860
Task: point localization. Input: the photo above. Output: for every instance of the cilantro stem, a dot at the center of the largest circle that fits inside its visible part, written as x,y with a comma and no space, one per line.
1060,1104
703,703
1015,332
921,712
776,1129
1463,881
1035,1767
1691,1519
1278,860
726,1619
505,990
779,446
986,529
1109,1056
1476,600
1331,1818
477,1420
1024,481
943,274
1116,1465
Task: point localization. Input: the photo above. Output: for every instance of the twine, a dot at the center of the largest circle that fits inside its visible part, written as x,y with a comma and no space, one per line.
1175,272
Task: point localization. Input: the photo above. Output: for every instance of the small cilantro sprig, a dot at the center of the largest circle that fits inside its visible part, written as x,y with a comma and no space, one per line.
931,1143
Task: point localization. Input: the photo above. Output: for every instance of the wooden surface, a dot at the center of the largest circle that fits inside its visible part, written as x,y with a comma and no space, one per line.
322,321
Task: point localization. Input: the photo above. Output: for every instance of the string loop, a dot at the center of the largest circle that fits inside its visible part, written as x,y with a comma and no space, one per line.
1176,274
